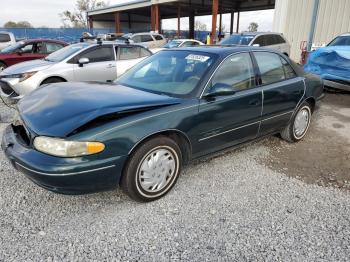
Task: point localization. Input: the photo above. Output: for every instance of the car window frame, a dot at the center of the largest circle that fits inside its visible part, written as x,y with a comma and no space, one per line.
207,84
259,82
127,46
75,59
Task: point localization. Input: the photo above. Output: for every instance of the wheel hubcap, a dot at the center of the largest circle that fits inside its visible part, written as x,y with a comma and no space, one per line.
301,122
156,170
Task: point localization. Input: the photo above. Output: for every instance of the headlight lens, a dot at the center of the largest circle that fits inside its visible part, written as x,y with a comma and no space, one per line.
22,77
65,148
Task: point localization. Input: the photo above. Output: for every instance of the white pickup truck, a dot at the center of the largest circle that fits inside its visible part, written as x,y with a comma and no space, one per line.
6,39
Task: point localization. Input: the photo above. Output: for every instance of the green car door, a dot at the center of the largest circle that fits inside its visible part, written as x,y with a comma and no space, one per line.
230,106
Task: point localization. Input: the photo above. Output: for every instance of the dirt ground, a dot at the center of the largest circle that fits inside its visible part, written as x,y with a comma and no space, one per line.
323,157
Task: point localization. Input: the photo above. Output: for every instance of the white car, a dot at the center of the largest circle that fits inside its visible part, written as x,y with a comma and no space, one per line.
178,43
79,62
149,40
6,39
274,41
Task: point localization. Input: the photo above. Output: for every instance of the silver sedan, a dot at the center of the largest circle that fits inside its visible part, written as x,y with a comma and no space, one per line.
78,62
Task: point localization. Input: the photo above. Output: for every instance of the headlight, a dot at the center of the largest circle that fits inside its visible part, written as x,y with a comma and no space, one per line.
65,148
22,77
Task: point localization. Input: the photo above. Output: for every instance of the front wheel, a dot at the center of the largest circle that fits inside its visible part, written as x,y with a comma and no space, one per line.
299,125
152,169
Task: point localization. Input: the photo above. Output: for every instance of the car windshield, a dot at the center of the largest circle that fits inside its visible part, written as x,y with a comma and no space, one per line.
65,52
340,41
172,44
173,73
12,48
237,40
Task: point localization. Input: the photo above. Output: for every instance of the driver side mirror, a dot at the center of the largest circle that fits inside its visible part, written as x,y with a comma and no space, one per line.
83,61
220,89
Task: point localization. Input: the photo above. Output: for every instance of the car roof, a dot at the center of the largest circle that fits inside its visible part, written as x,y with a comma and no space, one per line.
44,40
221,50
119,43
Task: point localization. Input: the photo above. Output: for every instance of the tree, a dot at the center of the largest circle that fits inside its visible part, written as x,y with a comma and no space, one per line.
77,18
253,27
199,26
20,24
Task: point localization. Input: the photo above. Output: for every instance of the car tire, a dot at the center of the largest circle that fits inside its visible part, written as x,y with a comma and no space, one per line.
152,169
52,80
2,66
299,125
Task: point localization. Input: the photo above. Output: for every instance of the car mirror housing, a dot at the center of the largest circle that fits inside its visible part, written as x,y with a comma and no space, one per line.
220,89
83,61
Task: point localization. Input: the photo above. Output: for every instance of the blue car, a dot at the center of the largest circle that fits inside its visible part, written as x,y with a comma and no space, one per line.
174,106
332,63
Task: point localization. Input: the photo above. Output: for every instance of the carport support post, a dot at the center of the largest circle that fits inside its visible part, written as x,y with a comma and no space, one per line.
231,24
237,28
155,18
313,24
117,22
191,25
214,13
91,23
178,20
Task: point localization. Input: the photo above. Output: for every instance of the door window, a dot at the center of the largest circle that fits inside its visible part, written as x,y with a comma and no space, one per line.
40,48
99,54
4,38
158,37
52,47
146,38
259,41
288,69
279,39
129,52
270,66
236,71
27,49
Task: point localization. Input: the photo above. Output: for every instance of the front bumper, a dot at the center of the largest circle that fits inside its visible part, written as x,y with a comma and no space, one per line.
62,175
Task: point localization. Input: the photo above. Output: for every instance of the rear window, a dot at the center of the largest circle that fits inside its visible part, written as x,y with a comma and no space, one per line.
146,38
158,37
4,38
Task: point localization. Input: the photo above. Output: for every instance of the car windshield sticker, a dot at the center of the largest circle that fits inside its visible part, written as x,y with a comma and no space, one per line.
201,58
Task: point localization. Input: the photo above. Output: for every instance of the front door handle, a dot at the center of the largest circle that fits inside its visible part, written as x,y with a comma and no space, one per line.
111,66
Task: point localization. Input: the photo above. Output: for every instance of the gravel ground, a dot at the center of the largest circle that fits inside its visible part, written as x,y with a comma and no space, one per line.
238,206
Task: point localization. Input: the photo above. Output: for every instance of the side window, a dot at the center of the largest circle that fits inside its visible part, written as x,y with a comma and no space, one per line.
28,48
187,44
259,41
4,38
269,40
99,54
40,48
270,66
236,71
194,43
144,52
279,39
136,38
52,47
288,69
129,52
158,37
146,38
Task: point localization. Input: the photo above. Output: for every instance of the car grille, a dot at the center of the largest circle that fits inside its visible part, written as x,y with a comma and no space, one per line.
6,88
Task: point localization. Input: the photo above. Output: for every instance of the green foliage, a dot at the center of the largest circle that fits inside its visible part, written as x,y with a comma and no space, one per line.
77,18
20,24
253,27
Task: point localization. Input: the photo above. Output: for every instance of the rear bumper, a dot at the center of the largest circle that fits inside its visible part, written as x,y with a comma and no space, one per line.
337,85
62,175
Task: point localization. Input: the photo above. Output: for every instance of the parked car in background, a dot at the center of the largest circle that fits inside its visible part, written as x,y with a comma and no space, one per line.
332,63
274,41
6,39
179,43
28,50
149,40
102,61
177,105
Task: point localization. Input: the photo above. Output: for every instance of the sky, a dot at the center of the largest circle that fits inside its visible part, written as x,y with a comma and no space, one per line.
46,13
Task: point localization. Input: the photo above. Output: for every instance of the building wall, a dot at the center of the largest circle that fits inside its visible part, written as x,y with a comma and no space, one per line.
293,19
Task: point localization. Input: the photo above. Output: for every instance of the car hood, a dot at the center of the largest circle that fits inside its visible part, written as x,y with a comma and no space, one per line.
29,66
59,109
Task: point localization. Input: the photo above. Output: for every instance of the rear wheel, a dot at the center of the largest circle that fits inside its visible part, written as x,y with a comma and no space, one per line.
52,80
299,125
152,170
2,66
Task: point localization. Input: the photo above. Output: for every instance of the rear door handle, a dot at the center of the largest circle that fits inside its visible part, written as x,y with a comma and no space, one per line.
254,102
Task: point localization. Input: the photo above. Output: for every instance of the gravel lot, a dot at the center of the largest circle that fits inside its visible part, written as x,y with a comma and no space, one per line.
269,200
